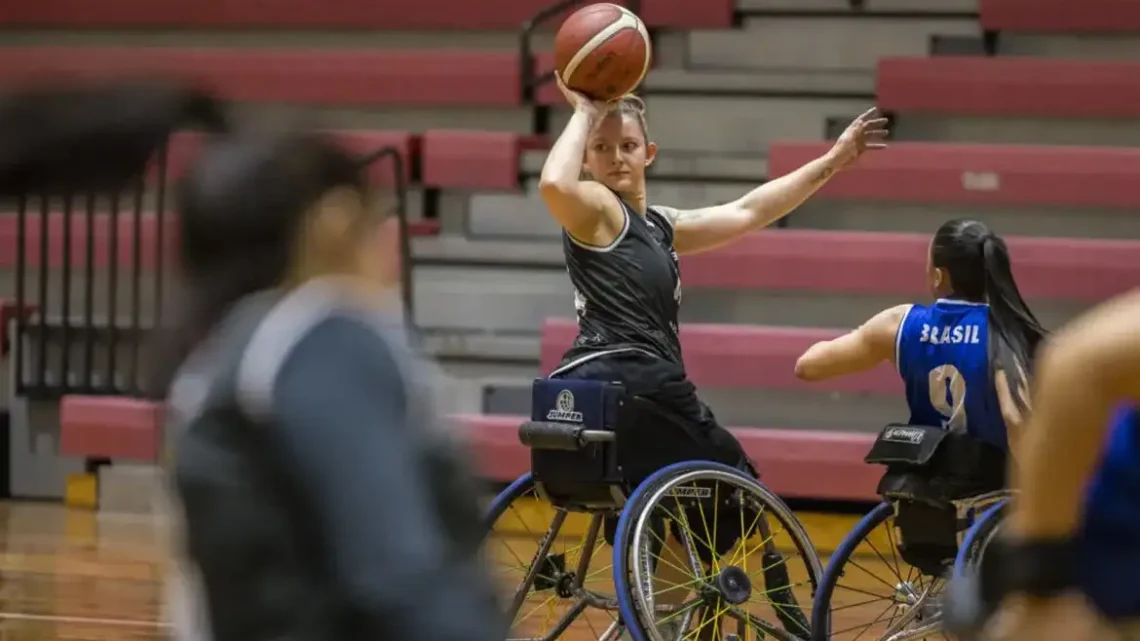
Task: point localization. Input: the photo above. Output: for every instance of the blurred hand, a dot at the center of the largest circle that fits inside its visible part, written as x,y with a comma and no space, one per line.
1065,618
868,131
583,103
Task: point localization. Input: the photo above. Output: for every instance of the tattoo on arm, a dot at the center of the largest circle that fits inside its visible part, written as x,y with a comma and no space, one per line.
824,174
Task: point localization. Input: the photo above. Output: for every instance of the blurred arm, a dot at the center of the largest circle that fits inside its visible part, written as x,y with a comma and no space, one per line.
1086,371
340,405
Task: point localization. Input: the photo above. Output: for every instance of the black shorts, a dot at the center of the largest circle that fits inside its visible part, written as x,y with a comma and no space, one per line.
696,435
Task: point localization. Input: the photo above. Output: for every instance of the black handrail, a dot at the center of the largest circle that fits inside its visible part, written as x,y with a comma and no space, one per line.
530,81
401,187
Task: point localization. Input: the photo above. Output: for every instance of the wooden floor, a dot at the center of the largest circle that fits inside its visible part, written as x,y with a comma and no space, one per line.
863,607
71,574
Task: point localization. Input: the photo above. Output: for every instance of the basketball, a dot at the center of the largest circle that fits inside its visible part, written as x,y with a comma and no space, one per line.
602,50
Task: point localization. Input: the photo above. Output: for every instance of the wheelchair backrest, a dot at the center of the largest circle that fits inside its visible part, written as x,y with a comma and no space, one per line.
589,404
577,475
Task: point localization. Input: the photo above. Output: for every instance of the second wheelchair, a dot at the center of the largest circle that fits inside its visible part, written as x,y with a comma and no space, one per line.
943,501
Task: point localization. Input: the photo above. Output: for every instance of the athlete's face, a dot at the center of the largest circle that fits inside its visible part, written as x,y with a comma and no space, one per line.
617,153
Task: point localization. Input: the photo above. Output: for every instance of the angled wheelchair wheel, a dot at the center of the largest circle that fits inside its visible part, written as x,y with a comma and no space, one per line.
552,567
869,592
984,529
704,551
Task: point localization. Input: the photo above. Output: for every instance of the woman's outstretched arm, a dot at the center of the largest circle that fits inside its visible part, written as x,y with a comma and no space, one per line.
697,230
861,349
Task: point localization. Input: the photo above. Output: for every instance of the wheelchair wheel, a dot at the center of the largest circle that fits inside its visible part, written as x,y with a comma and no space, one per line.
705,552
979,536
869,592
551,567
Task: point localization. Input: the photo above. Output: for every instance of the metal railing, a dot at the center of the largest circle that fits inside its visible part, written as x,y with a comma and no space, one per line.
93,304
530,79
90,312
400,186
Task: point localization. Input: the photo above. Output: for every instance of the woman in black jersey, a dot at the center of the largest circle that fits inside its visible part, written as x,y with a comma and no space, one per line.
621,255
621,252
321,500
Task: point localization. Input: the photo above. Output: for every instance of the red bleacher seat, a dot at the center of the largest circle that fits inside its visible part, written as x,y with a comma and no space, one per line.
184,147
110,427
739,356
9,239
1060,15
1010,87
892,264
979,174
474,159
314,76
794,463
332,14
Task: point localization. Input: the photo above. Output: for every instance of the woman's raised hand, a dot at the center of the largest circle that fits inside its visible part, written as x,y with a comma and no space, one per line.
868,131
583,103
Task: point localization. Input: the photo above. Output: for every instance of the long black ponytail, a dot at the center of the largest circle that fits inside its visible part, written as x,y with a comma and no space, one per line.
978,263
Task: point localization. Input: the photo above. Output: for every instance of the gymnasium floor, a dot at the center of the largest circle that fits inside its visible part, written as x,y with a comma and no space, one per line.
70,574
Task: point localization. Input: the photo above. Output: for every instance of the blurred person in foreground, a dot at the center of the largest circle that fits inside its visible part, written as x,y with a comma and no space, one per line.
321,498
1067,564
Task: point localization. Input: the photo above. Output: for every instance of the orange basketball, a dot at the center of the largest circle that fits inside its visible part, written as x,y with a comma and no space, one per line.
603,51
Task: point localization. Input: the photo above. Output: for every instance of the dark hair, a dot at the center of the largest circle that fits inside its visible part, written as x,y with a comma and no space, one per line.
242,205
977,261
92,136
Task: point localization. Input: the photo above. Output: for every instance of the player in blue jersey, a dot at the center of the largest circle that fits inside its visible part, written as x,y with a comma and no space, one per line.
964,358
1073,535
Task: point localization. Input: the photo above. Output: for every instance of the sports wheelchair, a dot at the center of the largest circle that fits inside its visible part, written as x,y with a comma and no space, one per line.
611,537
886,578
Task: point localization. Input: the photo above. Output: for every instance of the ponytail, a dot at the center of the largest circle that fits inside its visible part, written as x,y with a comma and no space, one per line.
1019,333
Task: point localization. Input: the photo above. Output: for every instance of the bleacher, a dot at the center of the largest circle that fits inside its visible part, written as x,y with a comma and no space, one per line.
1021,112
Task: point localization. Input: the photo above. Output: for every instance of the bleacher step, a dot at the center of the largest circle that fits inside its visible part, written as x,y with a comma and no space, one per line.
456,345
793,42
867,6
776,81
680,165
449,249
131,488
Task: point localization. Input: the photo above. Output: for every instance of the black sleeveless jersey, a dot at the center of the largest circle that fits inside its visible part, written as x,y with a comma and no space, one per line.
627,293
321,495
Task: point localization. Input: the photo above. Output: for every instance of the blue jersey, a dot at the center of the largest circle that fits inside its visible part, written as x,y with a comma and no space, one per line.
943,356
1110,535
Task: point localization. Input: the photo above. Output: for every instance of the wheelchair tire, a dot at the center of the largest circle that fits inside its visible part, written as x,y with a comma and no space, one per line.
547,577
644,498
503,500
979,536
821,607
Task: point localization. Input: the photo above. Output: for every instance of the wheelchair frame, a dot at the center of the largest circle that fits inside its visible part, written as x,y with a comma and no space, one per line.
560,445
970,513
